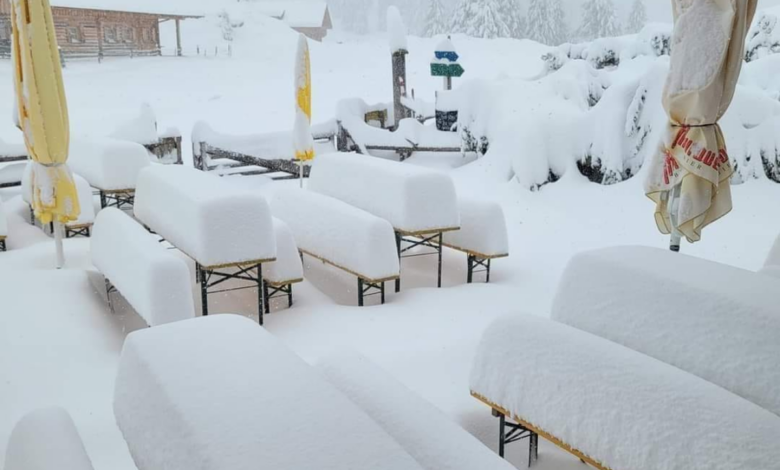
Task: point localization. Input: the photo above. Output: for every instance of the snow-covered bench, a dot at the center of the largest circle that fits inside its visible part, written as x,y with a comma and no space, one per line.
111,167
482,235
154,282
341,235
287,270
228,231
419,203
3,227
46,439
80,227
714,321
408,418
613,407
186,398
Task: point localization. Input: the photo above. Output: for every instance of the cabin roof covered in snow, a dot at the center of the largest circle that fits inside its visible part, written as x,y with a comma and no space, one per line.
296,14
172,8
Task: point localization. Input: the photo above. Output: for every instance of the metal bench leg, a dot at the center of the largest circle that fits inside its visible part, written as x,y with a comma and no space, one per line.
289,296
398,241
103,200
204,290
488,272
440,250
470,276
383,293
267,299
360,292
262,291
501,435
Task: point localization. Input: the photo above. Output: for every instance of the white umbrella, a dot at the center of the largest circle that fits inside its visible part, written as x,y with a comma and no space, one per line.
689,178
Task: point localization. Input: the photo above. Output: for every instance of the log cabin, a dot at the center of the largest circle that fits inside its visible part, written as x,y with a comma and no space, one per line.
308,17
84,30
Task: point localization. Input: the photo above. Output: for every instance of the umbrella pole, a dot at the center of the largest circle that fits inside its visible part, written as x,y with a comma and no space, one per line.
58,245
674,210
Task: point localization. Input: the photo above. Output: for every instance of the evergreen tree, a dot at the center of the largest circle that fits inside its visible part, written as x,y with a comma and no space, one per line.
540,22
638,17
480,19
599,20
512,13
437,20
559,23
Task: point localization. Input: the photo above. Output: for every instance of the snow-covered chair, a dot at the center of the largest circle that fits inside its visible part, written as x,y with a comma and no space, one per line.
221,393
83,225
3,227
613,407
408,418
280,275
155,282
46,439
420,204
342,236
110,166
228,231
711,320
482,235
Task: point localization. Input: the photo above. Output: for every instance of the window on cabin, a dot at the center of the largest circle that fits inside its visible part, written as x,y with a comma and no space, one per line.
75,35
128,34
146,34
5,32
109,34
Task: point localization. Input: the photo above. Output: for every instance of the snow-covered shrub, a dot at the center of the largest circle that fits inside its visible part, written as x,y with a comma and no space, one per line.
554,60
763,38
604,53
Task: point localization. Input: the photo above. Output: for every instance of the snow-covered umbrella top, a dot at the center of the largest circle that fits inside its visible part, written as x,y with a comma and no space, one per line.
707,50
302,139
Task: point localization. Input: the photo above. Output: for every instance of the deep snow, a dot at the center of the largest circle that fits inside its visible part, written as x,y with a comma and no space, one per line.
63,348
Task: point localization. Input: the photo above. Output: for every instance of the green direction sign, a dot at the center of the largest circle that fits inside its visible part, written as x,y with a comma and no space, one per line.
447,70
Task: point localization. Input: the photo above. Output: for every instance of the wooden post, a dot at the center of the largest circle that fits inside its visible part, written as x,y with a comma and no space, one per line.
99,27
178,38
399,85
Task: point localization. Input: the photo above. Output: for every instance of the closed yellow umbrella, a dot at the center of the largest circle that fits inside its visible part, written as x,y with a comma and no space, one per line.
302,138
689,178
43,114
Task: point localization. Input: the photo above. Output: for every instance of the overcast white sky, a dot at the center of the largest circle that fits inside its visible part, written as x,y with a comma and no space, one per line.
657,10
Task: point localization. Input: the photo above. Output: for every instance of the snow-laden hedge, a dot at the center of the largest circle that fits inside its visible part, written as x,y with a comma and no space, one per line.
606,121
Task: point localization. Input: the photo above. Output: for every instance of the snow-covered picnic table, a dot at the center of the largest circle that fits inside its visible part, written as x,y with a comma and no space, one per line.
421,204
672,360
227,230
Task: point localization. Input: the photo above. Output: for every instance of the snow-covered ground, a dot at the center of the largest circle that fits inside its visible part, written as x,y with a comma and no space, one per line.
62,348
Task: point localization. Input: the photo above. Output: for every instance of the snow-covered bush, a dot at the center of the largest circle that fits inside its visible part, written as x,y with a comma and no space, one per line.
763,38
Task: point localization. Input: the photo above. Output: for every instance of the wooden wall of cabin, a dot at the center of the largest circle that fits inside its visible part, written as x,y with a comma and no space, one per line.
88,32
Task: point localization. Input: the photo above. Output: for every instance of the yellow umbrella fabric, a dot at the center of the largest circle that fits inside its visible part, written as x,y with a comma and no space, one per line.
303,141
43,111
707,53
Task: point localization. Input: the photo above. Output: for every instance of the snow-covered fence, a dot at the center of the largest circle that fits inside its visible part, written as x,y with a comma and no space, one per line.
408,418
221,227
287,270
264,154
420,204
110,166
341,235
684,316
482,235
613,407
46,439
154,282
221,393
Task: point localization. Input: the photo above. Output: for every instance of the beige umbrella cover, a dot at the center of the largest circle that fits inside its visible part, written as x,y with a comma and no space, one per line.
707,52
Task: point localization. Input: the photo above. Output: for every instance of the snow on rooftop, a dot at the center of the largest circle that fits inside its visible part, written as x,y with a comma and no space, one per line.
302,14
169,7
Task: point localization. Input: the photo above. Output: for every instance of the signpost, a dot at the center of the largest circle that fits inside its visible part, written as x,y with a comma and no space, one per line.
445,63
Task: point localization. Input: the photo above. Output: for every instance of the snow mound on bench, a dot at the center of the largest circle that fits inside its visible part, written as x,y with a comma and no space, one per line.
343,235
482,229
715,321
205,216
288,266
154,282
411,198
220,393
46,439
408,418
773,259
620,407
108,164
